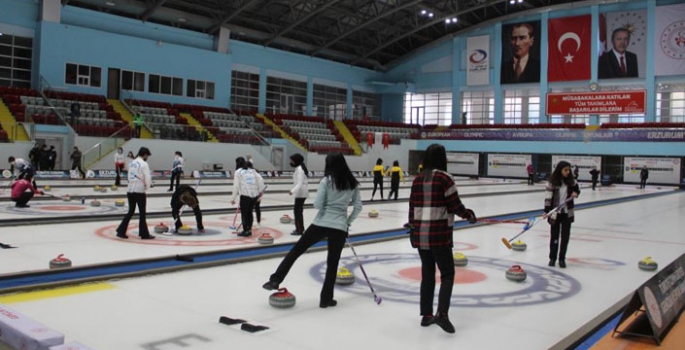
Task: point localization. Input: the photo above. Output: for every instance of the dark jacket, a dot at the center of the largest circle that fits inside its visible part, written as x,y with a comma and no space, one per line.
176,197
609,67
552,197
595,174
531,74
644,174
76,157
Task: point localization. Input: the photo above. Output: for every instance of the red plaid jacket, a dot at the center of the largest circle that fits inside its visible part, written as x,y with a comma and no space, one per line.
432,205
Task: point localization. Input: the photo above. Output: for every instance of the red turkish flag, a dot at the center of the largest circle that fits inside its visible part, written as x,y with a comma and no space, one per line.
369,139
569,42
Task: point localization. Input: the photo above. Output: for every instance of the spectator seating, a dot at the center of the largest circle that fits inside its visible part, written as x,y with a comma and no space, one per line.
314,133
396,131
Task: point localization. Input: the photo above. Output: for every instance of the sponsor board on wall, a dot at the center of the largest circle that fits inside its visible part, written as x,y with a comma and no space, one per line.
211,174
584,163
462,163
615,102
509,165
661,170
566,135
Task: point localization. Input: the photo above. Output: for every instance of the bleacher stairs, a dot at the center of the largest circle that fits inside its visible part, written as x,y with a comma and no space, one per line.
349,138
128,117
8,123
280,131
192,121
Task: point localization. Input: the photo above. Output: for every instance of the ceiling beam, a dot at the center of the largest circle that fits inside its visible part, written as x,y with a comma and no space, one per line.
301,20
426,25
152,10
365,24
215,28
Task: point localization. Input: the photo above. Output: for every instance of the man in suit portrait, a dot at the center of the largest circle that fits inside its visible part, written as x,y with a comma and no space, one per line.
618,62
522,67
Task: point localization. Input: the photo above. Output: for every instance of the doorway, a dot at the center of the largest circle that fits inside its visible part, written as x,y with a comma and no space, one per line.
113,83
277,157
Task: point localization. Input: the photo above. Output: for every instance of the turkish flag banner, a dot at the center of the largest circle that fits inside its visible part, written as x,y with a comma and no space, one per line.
386,140
369,139
569,42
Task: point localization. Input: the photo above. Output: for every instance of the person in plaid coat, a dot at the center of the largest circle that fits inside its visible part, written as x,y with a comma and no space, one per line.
432,205
562,185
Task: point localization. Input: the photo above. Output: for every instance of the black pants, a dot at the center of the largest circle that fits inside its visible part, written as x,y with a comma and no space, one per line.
561,226
531,179
594,184
140,200
299,218
138,129
246,207
175,175
23,199
28,172
119,168
445,260
643,183
314,234
377,183
394,188
258,211
78,165
176,214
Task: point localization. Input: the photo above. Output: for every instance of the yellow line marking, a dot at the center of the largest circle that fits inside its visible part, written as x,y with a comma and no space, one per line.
54,293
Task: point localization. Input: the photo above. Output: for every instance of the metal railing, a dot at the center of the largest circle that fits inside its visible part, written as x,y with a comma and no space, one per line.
105,147
13,130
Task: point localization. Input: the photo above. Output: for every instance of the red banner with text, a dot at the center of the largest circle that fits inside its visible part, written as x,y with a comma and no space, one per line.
615,102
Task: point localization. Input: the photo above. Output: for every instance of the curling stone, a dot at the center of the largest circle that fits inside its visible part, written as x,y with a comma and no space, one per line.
96,188
59,262
265,238
519,246
114,188
285,219
344,276
183,230
460,259
161,228
95,203
119,202
373,213
282,299
66,198
103,189
47,188
516,274
647,264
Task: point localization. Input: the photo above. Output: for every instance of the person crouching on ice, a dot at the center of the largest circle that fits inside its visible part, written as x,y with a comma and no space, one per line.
23,191
186,195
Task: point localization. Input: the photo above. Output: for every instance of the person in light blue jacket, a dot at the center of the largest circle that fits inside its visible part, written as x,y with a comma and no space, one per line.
337,190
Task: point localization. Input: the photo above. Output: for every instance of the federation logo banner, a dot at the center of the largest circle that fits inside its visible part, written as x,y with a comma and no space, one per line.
669,41
478,60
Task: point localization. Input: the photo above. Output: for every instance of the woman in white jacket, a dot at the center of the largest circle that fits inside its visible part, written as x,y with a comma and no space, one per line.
300,191
139,180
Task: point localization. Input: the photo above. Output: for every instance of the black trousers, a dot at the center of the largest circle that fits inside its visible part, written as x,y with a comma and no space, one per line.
119,168
23,199
643,183
299,218
376,184
445,260
314,234
594,184
175,175
394,188
139,199
78,165
531,179
28,172
258,210
246,207
560,227
176,214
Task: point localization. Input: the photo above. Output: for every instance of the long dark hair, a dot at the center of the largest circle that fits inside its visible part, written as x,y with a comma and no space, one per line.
557,178
435,158
379,161
240,163
339,172
298,160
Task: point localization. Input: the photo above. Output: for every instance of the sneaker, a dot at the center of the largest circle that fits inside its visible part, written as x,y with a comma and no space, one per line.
271,285
330,303
427,320
551,263
562,264
147,237
444,322
245,234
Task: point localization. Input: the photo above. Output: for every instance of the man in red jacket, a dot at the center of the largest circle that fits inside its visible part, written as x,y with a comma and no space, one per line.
20,195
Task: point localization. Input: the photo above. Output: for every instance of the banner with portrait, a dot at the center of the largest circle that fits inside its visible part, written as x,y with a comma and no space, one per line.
520,53
669,40
478,60
626,45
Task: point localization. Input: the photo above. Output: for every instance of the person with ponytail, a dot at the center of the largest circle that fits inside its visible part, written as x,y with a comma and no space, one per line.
562,185
300,191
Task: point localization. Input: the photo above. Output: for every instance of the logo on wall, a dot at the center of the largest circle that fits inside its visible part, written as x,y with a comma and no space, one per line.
673,40
478,56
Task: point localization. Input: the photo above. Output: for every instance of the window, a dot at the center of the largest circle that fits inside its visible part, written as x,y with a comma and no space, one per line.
521,106
670,103
200,89
78,74
244,91
15,60
330,102
286,96
364,104
569,118
159,84
132,81
622,118
478,107
428,109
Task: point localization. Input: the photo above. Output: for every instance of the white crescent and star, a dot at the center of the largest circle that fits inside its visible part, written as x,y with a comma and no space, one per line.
570,36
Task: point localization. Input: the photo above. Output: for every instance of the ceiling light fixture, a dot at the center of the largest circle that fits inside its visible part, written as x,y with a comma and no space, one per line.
110,3
454,20
430,15
183,20
423,12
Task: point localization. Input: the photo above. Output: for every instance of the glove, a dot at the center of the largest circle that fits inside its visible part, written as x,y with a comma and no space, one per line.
470,216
